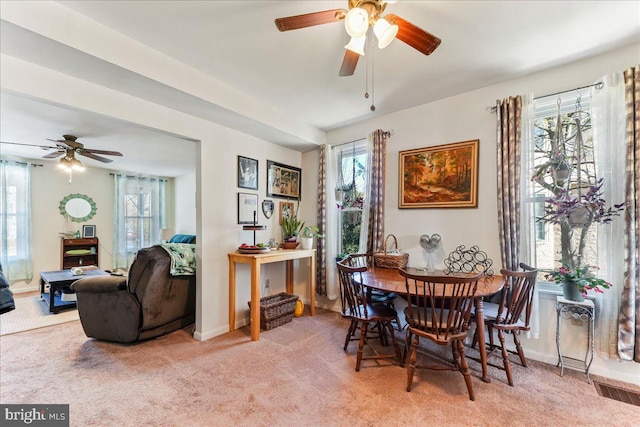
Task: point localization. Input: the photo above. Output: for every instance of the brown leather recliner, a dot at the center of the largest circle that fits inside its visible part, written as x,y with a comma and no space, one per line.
148,303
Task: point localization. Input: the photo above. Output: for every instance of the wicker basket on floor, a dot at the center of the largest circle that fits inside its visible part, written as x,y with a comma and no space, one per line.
276,310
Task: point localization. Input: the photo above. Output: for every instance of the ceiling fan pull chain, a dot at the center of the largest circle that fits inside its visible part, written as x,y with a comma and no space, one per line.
373,85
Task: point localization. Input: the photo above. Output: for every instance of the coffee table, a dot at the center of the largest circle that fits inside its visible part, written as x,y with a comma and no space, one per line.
59,281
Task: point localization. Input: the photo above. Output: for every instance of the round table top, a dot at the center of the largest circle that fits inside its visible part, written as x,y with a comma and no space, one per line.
390,280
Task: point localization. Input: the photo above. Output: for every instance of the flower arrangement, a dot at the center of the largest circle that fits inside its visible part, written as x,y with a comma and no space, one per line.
582,277
582,210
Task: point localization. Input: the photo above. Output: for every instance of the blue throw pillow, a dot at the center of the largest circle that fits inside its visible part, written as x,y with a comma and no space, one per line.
183,238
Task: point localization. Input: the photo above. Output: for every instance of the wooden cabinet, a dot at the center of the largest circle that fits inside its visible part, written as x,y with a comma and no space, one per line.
78,252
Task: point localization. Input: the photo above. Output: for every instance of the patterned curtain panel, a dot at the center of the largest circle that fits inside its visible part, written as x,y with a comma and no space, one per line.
629,318
508,114
321,253
375,227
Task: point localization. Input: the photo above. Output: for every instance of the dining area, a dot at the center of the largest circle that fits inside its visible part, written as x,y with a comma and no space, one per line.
411,315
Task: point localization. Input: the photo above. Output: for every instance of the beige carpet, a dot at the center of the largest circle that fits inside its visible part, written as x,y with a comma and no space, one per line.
33,313
296,375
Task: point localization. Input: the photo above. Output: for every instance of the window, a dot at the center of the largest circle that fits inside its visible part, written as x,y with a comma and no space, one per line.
548,236
140,216
15,220
352,173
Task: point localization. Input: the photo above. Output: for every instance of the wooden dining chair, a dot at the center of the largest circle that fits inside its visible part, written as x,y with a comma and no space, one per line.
362,314
511,315
441,314
375,296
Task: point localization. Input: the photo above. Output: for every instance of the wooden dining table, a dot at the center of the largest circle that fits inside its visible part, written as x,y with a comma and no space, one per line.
390,280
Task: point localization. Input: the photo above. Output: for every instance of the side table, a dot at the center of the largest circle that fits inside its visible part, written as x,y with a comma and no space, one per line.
583,311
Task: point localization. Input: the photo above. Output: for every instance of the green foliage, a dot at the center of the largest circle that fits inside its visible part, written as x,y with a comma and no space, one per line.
310,231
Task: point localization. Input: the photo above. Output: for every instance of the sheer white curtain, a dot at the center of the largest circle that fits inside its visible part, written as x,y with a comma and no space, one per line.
15,220
331,234
526,245
139,209
608,121
364,230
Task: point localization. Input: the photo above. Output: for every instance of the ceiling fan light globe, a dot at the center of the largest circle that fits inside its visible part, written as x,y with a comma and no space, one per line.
385,32
356,22
356,44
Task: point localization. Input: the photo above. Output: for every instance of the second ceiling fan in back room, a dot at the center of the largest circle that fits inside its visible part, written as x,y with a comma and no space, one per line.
361,15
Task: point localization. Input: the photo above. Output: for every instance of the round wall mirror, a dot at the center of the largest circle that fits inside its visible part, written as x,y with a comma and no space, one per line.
78,207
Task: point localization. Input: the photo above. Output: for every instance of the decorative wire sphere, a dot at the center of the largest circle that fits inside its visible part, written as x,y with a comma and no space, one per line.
430,243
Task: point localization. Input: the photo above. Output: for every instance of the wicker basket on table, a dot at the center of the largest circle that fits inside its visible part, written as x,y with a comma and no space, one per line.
276,310
389,258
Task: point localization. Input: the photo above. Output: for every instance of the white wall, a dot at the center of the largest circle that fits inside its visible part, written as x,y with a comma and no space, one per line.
185,204
465,117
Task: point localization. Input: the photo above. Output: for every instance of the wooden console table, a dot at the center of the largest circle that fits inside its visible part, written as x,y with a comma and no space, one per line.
255,261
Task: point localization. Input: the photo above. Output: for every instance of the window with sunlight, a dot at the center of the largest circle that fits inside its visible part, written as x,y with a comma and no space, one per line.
350,196
15,220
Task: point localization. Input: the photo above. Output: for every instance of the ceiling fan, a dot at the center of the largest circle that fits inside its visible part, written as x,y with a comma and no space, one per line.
361,15
69,146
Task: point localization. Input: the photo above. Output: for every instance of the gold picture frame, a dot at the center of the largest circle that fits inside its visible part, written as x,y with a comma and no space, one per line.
442,176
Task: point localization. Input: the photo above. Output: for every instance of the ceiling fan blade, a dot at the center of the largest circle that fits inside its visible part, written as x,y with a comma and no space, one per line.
106,152
95,157
349,63
62,143
310,19
414,36
28,145
53,155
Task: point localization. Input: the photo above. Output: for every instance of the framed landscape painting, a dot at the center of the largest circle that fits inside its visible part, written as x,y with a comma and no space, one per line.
283,181
442,176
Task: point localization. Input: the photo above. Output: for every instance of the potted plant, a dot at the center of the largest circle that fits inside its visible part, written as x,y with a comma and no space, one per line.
565,178
291,227
307,235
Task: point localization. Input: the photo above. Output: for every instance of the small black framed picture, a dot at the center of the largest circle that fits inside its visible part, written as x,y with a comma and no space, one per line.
247,208
88,231
247,173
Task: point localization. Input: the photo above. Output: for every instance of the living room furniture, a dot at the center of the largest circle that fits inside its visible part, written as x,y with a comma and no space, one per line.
148,303
391,281
362,313
7,302
78,252
57,282
584,311
441,314
255,261
511,315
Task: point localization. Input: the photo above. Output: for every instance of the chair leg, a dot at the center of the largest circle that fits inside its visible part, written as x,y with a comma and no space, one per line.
363,333
411,366
505,357
523,360
464,369
395,343
490,332
352,330
407,345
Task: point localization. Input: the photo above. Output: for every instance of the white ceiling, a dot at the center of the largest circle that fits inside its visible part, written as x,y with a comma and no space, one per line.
236,42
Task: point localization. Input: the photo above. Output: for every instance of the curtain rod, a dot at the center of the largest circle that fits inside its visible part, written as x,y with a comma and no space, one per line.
386,133
598,85
133,176
35,165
